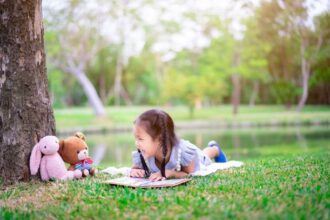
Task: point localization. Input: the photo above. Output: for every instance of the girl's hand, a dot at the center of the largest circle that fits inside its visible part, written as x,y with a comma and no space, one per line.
156,177
137,173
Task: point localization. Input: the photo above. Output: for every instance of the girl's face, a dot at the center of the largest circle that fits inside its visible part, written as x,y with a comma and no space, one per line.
145,143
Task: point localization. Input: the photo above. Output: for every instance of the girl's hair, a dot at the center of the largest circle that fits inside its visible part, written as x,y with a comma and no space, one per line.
158,124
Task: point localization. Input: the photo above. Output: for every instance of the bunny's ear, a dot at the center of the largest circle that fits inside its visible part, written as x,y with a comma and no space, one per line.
35,159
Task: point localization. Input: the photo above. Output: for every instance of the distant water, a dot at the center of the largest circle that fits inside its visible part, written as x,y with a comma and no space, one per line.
239,144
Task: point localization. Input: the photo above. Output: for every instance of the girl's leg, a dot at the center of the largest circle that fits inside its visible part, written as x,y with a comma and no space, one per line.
214,151
211,152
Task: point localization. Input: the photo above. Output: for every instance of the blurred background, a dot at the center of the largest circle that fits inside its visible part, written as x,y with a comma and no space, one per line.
224,70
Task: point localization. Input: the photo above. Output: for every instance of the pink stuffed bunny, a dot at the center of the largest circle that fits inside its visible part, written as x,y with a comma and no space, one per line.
52,164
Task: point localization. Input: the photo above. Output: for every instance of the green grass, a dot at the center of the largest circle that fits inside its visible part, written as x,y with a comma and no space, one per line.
286,180
78,118
283,187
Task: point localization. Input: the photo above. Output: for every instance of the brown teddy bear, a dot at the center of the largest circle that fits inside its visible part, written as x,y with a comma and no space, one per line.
74,151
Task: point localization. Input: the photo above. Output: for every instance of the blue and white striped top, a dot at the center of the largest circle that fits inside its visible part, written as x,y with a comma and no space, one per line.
189,153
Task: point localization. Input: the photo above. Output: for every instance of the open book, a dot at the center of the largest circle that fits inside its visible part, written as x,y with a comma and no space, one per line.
145,183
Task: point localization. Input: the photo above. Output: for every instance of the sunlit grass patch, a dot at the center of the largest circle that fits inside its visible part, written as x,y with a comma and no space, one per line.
31,195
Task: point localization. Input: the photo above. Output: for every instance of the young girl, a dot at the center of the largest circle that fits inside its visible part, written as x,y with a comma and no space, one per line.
161,154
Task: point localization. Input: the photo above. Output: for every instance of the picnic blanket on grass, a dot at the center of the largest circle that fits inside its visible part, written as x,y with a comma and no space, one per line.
204,171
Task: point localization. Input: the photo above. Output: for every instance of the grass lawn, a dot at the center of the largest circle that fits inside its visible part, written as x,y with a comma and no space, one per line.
282,187
281,181
82,118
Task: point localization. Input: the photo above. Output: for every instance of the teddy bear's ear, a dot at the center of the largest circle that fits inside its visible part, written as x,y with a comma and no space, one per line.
80,135
60,150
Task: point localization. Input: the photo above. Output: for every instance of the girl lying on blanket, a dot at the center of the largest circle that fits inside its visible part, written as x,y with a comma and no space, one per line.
162,155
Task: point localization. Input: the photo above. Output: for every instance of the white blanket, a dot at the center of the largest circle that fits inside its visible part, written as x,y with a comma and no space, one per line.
203,172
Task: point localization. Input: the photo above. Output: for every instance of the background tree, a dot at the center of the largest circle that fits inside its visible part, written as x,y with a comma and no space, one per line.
310,41
320,79
295,46
281,57
254,65
25,111
252,50
74,45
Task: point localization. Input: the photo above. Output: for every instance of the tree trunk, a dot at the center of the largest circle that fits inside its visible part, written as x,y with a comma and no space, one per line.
89,89
118,77
254,93
236,94
125,96
102,89
93,98
25,110
305,70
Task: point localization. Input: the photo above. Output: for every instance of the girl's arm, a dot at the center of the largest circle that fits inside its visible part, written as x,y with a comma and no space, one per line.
137,171
168,173
135,167
183,173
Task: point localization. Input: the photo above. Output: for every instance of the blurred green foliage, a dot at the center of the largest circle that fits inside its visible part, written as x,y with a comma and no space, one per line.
267,59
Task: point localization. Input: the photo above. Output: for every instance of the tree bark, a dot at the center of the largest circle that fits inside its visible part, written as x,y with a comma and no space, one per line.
254,94
90,91
102,89
305,70
78,72
25,109
118,80
126,97
236,93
